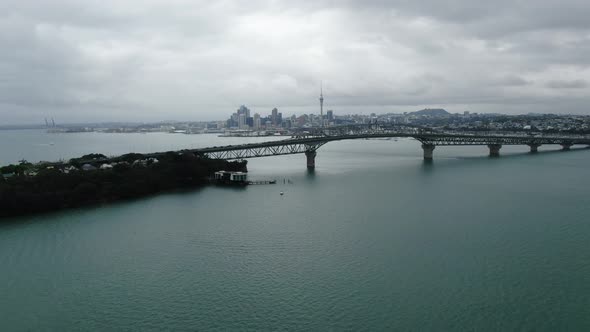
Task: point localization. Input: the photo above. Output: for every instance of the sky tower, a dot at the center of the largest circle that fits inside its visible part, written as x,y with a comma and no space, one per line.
322,104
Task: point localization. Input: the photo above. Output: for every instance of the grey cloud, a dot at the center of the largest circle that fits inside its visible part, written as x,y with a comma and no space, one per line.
499,17
510,80
574,84
183,59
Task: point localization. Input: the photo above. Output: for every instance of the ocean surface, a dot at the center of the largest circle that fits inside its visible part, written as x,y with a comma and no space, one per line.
374,239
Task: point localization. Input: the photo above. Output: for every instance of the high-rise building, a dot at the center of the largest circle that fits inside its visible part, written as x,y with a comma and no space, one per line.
242,121
244,110
256,121
274,116
330,115
301,120
233,120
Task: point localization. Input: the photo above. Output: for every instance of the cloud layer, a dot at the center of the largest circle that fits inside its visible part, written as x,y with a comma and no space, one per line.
154,60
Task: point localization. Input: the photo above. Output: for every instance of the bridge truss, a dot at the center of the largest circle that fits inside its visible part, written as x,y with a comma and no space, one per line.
309,140
445,139
261,150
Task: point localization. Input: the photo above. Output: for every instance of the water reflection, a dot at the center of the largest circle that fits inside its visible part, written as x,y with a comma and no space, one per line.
427,166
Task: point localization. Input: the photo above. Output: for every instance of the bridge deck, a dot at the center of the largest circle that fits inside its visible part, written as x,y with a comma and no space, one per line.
300,145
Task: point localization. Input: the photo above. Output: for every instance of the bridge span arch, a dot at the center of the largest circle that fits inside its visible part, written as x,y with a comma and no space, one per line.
309,144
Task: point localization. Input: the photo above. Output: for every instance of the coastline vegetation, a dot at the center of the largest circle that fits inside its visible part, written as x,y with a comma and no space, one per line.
27,188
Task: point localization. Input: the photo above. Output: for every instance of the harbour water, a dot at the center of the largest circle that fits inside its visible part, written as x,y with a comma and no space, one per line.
374,239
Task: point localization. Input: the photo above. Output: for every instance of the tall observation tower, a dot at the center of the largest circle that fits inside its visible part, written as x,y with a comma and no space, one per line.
322,104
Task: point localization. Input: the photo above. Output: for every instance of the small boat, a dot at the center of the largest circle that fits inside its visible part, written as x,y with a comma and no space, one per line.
281,193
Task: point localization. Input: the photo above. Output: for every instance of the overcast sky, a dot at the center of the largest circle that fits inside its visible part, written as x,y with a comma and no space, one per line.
145,60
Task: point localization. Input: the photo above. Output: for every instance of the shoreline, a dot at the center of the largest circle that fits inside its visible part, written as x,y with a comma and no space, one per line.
41,188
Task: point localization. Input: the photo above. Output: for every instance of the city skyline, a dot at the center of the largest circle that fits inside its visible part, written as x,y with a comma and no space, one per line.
137,61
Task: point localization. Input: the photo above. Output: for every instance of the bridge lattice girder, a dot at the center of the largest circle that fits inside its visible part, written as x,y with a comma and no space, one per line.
263,151
501,140
312,141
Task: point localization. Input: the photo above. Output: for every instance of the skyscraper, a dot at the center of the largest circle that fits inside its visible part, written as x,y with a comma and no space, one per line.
330,115
274,116
233,121
256,121
244,110
242,121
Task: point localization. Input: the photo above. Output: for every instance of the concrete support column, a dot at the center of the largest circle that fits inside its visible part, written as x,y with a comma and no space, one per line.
494,150
534,147
566,146
310,154
428,150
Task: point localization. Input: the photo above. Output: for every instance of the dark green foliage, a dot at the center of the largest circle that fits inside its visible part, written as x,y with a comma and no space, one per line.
130,157
88,158
16,169
93,156
52,189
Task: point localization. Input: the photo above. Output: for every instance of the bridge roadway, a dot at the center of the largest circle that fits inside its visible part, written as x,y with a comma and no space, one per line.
308,143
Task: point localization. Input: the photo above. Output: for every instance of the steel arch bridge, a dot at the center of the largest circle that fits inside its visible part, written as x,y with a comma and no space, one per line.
309,141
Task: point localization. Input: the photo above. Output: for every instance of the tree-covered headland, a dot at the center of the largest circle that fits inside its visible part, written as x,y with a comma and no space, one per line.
27,188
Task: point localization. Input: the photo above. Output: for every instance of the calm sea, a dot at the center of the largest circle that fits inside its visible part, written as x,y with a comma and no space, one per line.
373,240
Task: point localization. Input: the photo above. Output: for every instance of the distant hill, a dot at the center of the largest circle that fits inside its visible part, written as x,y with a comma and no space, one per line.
431,112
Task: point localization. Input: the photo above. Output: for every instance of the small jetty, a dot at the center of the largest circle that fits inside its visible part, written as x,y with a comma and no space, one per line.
263,182
237,179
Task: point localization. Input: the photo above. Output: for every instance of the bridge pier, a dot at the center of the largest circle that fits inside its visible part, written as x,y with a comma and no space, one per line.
494,149
534,147
566,146
310,155
428,150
